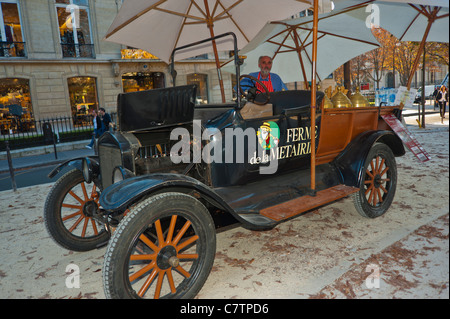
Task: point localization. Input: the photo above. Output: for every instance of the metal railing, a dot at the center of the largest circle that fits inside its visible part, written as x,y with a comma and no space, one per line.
72,50
31,133
13,49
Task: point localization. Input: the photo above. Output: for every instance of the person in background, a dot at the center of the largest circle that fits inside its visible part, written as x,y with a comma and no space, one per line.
442,99
97,126
272,81
105,121
436,91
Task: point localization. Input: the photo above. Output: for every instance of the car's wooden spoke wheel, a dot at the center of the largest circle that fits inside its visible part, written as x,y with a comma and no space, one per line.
164,260
69,211
163,248
378,182
78,207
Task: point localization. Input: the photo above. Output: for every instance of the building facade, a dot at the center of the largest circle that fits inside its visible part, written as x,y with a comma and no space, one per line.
54,63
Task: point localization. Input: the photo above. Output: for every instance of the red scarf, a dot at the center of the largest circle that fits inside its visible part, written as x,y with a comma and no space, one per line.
268,84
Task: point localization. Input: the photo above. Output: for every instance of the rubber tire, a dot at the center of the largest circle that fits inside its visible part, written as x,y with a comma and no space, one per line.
359,198
115,267
53,219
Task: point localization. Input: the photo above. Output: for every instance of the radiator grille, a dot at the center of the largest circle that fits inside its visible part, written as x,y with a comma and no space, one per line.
110,157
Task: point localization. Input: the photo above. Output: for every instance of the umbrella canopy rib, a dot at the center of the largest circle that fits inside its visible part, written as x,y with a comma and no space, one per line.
134,18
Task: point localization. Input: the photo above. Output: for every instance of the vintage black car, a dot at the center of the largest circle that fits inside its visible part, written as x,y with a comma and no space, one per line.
175,172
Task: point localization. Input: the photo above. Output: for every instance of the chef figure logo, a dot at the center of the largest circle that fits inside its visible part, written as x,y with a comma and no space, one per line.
268,135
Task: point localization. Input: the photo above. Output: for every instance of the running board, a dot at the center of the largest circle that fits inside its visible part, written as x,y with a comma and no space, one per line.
302,204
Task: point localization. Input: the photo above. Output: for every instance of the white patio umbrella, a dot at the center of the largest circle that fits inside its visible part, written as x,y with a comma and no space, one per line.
159,26
409,20
341,37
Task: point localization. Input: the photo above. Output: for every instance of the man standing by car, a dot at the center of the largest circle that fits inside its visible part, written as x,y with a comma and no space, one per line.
272,81
105,120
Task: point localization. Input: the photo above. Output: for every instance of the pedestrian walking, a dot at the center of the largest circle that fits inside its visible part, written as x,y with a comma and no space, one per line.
442,99
97,127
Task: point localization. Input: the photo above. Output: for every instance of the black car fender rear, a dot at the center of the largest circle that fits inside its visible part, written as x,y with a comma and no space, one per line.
350,162
122,195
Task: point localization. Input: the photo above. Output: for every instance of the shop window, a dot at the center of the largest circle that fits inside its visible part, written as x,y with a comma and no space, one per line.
16,112
201,80
83,98
11,38
74,28
136,81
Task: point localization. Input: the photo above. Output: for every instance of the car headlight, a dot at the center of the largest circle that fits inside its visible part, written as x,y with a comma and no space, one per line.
89,169
120,173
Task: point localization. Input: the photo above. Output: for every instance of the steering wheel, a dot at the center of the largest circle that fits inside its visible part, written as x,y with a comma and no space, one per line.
250,92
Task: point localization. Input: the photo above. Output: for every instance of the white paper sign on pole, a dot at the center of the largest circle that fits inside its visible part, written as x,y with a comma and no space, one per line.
404,96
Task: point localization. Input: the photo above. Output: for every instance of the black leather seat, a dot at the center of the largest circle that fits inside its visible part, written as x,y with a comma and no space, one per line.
293,99
156,108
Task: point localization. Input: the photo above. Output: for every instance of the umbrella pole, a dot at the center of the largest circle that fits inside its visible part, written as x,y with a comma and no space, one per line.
299,49
421,47
216,55
313,97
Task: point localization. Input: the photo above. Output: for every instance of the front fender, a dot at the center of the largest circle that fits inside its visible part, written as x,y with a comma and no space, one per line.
75,162
350,162
120,196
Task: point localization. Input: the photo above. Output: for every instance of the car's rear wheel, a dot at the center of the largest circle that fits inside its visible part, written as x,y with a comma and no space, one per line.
68,213
378,182
163,248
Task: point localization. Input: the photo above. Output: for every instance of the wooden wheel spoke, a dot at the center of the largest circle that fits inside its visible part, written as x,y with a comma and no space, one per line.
149,243
142,271
83,187
147,283
159,284
372,169
183,272
187,256
159,232
74,226
377,164
381,166
371,192
374,197
187,242
76,197
380,197
182,232
71,215
94,193
143,257
86,222
370,188
94,226
171,281
72,206
369,173
171,229
384,171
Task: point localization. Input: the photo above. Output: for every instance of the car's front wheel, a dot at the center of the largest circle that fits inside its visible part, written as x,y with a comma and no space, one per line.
163,248
69,210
